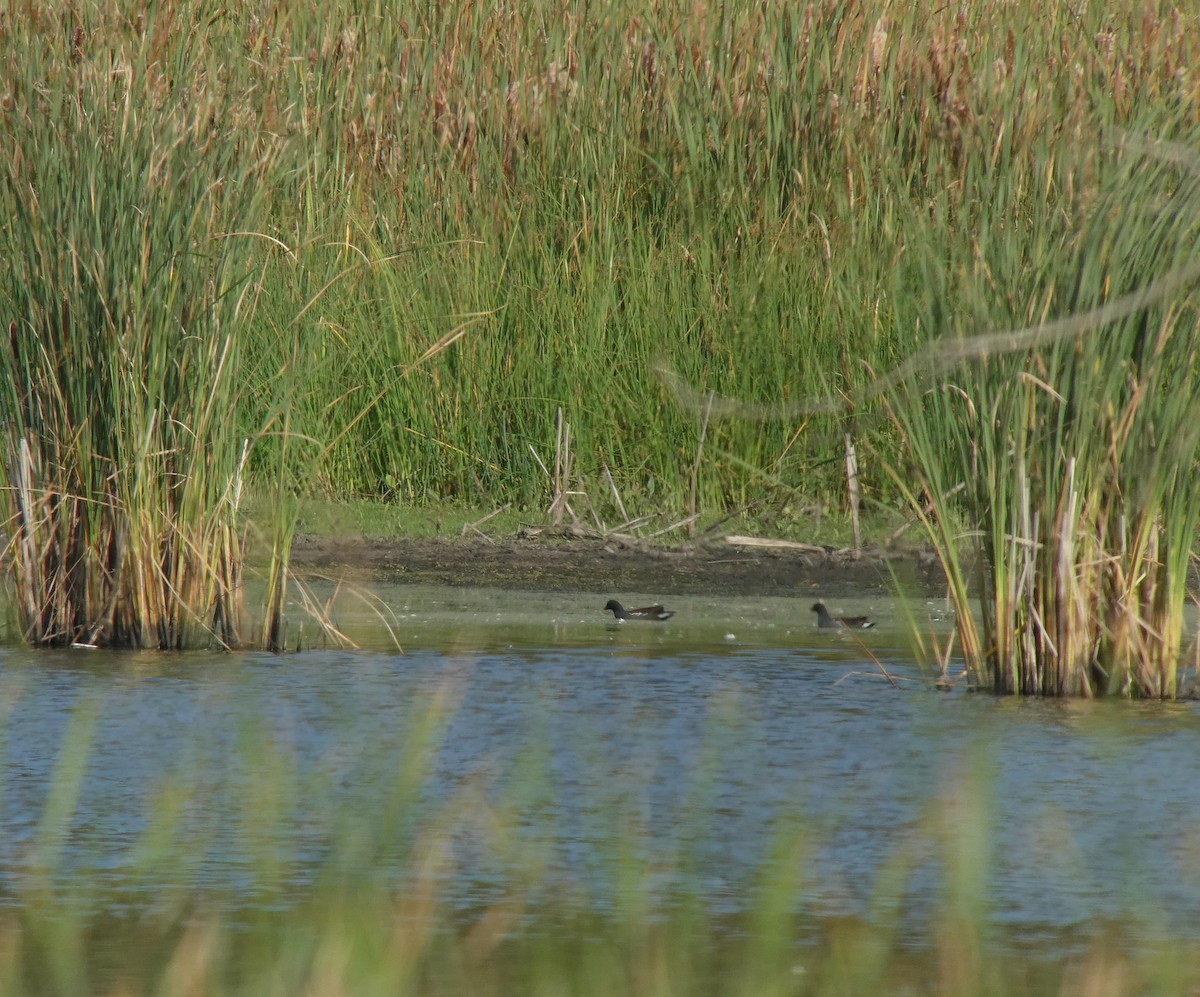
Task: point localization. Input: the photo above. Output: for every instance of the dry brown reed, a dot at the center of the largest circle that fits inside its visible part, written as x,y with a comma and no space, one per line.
469,88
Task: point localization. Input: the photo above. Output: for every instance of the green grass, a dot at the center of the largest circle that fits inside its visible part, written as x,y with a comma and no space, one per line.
585,201
327,517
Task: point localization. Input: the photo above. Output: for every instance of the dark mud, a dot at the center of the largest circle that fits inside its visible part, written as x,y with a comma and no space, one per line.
561,562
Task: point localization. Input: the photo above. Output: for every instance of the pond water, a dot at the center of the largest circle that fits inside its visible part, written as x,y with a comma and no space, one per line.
527,740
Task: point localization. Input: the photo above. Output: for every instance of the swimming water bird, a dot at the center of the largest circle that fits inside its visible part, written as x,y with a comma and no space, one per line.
656,613
827,622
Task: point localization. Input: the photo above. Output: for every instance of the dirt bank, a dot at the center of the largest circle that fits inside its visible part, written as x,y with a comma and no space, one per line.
560,562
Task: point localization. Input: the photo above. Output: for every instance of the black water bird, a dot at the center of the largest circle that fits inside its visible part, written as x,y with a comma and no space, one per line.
827,622
656,613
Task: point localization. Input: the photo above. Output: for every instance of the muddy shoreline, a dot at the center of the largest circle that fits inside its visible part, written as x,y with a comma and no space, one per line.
561,562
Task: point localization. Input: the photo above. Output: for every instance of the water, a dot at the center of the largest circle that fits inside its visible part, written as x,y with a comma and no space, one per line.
527,739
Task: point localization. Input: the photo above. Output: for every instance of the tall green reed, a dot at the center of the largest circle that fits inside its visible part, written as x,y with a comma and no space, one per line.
1073,436
130,192
587,198
592,194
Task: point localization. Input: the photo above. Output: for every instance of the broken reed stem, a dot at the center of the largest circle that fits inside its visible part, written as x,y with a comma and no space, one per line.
560,479
616,494
693,484
483,519
27,559
540,463
557,498
564,484
582,493
852,488
689,521
636,523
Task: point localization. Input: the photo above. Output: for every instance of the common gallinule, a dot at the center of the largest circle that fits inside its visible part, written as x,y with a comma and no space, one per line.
827,622
656,613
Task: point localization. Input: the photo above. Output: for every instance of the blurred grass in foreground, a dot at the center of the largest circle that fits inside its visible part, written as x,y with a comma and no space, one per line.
376,918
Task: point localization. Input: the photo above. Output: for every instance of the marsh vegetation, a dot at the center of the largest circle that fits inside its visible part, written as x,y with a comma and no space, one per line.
629,264
375,250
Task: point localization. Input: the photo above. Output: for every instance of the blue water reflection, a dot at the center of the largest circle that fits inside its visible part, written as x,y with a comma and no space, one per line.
557,756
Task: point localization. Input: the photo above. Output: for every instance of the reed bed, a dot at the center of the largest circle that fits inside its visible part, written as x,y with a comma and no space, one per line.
580,196
126,288
467,219
1050,460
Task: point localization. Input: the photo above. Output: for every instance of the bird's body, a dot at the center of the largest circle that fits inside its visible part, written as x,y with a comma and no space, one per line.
653,613
827,622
